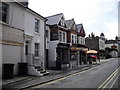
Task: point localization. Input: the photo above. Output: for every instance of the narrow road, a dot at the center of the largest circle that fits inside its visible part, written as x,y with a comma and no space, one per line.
101,76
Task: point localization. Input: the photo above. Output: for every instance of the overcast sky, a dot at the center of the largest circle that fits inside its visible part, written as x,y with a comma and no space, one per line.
96,15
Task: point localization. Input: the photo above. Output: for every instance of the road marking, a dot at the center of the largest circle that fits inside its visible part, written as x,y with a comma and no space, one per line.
113,83
110,80
63,78
110,77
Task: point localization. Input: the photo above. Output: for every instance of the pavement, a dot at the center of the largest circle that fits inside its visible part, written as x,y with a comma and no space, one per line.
24,82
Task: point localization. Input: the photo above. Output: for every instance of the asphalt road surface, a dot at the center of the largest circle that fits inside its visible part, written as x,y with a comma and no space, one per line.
102,76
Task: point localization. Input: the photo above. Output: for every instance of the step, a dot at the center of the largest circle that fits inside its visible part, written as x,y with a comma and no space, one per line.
40,69
36,67
46,73
43,71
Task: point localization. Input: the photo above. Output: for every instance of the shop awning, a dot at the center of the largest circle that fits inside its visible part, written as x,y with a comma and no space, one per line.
92,51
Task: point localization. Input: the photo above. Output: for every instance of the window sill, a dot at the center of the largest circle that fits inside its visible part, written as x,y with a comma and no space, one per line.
4,23
36,33
37,58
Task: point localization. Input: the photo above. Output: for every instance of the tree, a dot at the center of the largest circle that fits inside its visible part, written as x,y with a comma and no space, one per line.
107,52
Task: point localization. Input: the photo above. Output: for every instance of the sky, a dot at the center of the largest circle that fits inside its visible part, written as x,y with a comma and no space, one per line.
97,16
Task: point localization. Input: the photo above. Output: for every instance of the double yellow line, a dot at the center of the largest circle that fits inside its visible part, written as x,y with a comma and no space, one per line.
108,80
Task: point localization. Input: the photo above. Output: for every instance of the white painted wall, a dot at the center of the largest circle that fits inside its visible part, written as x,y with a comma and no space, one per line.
48,36
52,53
109,45
119,19
114,54
11,54
101,44
0,55
24,19
16,16
37,37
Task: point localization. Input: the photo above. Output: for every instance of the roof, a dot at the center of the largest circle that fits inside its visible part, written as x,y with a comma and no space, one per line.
79,26
69,23
81,30
110,41
54,19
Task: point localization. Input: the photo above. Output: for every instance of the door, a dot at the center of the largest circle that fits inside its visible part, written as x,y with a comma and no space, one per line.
28,55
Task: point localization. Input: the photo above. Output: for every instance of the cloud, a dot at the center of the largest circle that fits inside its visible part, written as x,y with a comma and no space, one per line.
96,15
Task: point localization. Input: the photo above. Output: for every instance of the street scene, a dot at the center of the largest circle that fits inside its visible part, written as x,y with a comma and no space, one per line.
75,47
103,75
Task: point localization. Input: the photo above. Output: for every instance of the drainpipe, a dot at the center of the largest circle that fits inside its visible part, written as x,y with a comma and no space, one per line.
45,44
78,54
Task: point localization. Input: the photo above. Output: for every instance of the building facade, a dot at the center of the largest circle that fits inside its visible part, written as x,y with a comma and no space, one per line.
96,43
58,48
113,44
23,37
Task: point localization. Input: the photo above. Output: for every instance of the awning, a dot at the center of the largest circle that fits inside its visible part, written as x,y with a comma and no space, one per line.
92,51
78,48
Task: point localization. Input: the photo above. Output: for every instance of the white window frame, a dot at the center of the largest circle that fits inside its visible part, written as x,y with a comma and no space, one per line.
60,36
64,37
37,22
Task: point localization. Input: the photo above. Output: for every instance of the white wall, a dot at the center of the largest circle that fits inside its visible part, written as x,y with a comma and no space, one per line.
52,53
0,55
11,54
37,37
16,16
101,44
48,37
113,53
109,45
119,19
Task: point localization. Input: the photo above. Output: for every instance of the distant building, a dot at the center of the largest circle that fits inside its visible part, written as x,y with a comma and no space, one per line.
96,43
113,44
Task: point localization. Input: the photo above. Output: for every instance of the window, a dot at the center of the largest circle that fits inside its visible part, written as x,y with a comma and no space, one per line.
62,21
3,12
47,33
72,39
76,39
63,37
81,40
36,25
60,36
36,49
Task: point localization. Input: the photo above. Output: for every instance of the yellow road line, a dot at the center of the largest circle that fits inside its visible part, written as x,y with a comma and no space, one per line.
39,86
108,79
113,83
